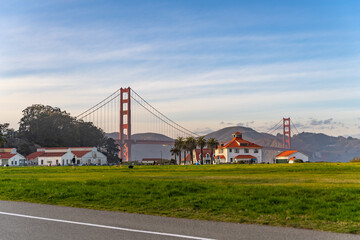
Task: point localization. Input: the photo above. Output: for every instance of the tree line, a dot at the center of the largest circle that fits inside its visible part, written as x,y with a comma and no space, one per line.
189,144
46,126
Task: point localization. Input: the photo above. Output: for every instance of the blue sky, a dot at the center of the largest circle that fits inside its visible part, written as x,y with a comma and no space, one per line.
205,64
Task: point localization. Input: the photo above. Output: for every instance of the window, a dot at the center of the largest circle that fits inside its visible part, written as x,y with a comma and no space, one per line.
244,144
15,162
57,162
12,162
230,150
246,150
237,150
256,150
42,162
231,159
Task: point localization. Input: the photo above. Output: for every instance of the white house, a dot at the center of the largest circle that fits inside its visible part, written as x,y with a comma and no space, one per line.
63,156
10,157
238,150
290,156
197,157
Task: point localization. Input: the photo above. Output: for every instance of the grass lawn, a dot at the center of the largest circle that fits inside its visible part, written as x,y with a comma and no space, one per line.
315,196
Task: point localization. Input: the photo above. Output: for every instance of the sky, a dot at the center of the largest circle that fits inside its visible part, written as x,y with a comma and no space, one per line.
204,64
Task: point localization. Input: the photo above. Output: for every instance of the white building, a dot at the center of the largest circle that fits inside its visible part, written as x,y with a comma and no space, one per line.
197,157
238,150
290,156
10,157
63,156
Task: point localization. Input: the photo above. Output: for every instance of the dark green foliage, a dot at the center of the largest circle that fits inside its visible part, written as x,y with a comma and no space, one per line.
47,126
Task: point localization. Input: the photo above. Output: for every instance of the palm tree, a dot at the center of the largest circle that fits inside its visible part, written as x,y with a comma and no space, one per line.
190,144
175,151
201,142
212,143
179,144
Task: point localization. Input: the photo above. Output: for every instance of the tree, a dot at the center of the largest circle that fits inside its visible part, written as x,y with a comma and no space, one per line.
212,143
175,151
179,144
4,133
190,144
201,142
111,150
47,126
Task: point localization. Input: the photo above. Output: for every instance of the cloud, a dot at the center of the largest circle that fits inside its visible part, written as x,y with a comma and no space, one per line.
203,131
315,122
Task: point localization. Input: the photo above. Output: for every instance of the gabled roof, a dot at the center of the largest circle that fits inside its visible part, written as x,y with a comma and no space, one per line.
6,155
80,153
286,153
236,143
53,154
245,157
34,155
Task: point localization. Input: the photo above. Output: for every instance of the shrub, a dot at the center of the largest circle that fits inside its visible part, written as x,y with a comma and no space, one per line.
298,161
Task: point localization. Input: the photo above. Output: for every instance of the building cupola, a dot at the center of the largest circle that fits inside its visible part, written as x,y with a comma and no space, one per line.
237,135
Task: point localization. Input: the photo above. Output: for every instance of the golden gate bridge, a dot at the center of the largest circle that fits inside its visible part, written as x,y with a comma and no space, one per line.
125,112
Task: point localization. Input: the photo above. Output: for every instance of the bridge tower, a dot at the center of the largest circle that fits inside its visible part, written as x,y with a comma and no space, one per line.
286,133
125,124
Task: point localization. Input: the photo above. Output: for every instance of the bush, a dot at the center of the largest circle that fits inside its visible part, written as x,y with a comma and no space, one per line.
298,161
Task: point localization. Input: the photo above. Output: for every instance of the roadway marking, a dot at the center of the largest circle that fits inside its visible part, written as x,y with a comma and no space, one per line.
104,226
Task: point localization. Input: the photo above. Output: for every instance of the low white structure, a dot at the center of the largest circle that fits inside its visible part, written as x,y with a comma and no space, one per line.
64,156
10,157
238,150
197,157
290,156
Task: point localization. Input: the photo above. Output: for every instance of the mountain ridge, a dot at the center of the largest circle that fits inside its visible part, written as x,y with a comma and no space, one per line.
318,146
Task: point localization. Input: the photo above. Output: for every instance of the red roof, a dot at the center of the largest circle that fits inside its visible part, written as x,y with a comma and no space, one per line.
34,155
220,157
53,154
6,155
286,153
80,153
236,143
245,157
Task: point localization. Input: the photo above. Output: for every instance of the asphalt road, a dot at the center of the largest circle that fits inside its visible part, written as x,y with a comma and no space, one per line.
19,220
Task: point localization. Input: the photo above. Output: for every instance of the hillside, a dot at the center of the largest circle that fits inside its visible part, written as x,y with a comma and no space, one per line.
319,147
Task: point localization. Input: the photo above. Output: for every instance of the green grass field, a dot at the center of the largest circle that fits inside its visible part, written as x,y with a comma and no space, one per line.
314,196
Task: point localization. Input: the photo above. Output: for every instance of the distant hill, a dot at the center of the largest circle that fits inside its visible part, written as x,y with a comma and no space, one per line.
319,147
